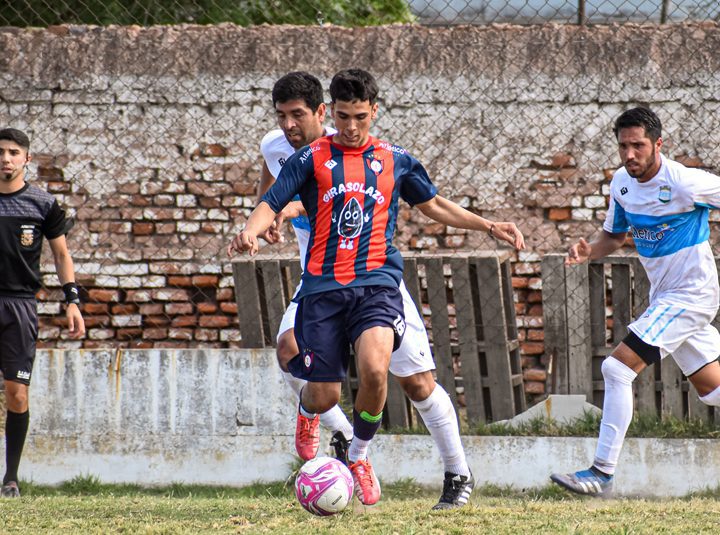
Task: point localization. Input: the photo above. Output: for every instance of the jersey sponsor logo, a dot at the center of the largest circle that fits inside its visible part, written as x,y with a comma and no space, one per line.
650,235
308,152
623,190
350,187
392,148
330,164
27,235
664,195
375,165
23,375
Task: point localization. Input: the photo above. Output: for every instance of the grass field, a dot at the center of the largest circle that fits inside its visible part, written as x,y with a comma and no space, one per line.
85,506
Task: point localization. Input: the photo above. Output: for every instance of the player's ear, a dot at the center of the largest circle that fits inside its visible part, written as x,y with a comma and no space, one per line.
28,157
374,113
658,143
322,111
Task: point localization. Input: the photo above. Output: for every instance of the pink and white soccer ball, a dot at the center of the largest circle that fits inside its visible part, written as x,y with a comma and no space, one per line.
324,486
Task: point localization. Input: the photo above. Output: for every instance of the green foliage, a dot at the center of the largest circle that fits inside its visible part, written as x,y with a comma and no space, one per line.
642,426
243,12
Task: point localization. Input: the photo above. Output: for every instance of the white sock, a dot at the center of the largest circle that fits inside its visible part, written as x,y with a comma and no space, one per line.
617,413
358,450
295,383
438,413
334,419
712,399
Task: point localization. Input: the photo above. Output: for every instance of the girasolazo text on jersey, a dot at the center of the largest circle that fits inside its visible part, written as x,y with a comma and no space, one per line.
358,187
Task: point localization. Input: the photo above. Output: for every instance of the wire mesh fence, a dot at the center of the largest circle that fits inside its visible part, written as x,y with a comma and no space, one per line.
149,135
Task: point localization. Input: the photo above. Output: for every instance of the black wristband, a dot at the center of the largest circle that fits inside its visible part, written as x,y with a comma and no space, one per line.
71,293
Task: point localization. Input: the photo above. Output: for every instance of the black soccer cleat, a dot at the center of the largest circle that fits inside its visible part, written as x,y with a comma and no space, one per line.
10,490
456,491
340,445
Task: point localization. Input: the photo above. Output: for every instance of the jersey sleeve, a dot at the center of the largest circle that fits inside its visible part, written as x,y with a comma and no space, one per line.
55,222
616,220
416,186
290,180
704,188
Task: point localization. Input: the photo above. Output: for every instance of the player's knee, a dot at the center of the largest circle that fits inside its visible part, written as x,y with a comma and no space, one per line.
615,371
16,400
419,386
373,379
712,399
286,350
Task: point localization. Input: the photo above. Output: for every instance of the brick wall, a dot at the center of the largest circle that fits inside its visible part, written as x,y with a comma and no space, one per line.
150,137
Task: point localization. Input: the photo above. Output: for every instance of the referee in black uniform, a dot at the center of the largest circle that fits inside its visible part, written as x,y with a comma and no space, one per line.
27,214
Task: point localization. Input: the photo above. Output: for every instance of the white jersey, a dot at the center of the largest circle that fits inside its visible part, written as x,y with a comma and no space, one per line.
276,150
668,219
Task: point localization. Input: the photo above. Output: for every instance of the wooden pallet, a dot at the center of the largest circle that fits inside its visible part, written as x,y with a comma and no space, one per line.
467,303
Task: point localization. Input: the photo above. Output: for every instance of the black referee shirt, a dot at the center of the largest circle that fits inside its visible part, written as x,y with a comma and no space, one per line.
25,217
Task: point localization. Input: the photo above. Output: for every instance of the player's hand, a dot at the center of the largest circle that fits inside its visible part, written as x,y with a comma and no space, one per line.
579,253
273,234
508,232
76,324
244,241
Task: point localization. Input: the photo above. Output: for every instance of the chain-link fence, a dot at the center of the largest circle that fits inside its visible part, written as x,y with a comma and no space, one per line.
150,134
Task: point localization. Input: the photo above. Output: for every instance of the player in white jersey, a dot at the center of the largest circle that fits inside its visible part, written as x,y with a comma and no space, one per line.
298,101
665,206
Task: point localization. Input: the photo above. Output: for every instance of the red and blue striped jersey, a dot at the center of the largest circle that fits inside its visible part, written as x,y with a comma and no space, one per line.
351,198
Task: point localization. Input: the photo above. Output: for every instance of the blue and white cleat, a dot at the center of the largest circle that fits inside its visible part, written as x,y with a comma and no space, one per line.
588,482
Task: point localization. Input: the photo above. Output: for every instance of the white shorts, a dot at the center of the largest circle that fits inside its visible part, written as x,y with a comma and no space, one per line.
412,357
684,333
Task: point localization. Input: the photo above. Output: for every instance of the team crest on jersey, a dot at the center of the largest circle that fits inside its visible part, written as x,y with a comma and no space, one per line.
350,223
375,165
27,235
664,194
330,164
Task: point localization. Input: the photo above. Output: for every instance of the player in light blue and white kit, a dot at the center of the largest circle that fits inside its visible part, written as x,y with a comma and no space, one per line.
665,206
297,99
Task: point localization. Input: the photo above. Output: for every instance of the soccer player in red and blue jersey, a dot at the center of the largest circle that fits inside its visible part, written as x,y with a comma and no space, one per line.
350,183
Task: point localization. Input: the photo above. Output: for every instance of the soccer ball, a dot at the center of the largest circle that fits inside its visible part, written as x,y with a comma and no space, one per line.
324,486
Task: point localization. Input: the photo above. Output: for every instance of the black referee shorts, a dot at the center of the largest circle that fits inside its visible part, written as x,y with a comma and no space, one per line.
18,334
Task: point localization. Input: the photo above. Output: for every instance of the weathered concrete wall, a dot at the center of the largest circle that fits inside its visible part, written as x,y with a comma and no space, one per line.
226,418
151,135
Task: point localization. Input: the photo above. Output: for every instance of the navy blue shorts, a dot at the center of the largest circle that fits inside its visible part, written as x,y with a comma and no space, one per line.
328,323
18,335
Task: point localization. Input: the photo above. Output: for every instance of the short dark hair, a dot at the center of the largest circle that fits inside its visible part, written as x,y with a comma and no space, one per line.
640,116
298,85
17,136
353,84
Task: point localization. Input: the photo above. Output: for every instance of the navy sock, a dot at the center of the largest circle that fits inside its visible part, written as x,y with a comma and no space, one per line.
365,426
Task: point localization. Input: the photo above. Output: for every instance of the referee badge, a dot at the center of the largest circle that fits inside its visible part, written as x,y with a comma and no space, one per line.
27,235
664,195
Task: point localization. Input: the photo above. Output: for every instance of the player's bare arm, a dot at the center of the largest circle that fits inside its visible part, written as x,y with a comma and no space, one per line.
447,212
607,243
259,221
274,233
66,274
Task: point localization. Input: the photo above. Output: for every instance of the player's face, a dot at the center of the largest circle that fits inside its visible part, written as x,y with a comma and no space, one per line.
353,121
12,161
639,155
299,123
